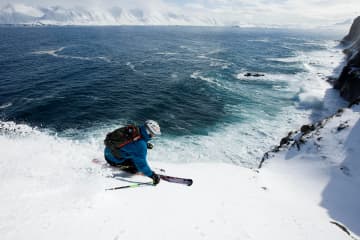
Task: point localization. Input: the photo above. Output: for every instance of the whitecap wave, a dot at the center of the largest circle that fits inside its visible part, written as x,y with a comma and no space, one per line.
166,53
11,128
309,86
265,40
56,53
131,66
6,105
53,52
211,80
215,62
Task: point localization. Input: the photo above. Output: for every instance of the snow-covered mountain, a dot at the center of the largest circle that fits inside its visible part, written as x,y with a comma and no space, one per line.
22,14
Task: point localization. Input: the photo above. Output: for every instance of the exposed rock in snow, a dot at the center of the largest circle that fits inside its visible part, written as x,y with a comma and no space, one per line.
349,80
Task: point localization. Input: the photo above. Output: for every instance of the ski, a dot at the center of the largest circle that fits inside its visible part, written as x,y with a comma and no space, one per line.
185,181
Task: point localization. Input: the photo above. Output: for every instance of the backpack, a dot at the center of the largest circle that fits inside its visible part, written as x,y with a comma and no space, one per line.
121,137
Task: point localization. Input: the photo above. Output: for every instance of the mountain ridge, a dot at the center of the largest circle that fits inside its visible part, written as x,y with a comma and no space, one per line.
18,14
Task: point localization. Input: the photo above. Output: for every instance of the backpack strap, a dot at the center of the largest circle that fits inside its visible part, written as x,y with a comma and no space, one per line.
134,135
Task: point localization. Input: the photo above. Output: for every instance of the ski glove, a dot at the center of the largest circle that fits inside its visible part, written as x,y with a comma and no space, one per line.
149,146
156,178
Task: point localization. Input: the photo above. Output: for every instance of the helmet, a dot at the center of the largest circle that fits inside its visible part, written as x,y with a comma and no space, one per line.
152,127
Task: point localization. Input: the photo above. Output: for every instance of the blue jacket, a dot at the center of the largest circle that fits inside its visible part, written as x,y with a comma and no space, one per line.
135,151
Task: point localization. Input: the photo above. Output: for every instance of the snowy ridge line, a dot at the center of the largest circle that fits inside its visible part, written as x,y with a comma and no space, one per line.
298,137
20,14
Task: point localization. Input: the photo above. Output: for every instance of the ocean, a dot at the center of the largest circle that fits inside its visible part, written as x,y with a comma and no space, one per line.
63,88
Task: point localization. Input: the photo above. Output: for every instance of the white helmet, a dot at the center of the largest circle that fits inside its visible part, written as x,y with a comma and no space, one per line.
152,127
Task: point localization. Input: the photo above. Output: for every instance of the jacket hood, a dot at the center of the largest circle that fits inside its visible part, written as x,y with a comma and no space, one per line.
144,134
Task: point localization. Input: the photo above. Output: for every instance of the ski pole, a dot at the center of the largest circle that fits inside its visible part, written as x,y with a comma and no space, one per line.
131,186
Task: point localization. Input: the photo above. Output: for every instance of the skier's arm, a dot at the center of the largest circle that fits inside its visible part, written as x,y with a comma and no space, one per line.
141,163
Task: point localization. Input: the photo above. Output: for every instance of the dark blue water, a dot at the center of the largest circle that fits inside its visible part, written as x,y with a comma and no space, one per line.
186,78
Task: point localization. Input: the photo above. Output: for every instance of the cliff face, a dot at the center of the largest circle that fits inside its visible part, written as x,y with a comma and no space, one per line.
349,80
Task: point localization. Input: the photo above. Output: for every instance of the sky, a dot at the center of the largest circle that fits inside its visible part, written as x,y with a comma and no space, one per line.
274,12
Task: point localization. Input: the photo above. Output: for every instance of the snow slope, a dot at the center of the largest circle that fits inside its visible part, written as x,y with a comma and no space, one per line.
323,166
295,195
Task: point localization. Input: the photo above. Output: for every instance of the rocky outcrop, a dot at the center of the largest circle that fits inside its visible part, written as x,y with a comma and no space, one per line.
354,32
297,139
254,74
349,81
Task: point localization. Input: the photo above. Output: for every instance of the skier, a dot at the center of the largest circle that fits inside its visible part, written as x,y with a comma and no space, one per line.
126,148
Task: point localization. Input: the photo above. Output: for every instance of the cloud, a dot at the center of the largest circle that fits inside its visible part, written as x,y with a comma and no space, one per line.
256,12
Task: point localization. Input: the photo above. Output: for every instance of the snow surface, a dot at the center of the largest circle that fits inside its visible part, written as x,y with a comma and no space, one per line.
295,195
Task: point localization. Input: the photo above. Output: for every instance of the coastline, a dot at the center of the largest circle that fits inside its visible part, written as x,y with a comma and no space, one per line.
307,190
316,147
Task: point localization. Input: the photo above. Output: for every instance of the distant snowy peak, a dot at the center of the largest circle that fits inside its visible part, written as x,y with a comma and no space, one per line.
16,13
22,14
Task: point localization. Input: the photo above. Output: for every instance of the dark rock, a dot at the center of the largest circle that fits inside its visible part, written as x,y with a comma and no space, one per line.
342,227
284,140
354,32
276,149
349,80
307,128
345,170
355,102
331,80
265,157
342,126
254,74
339,112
